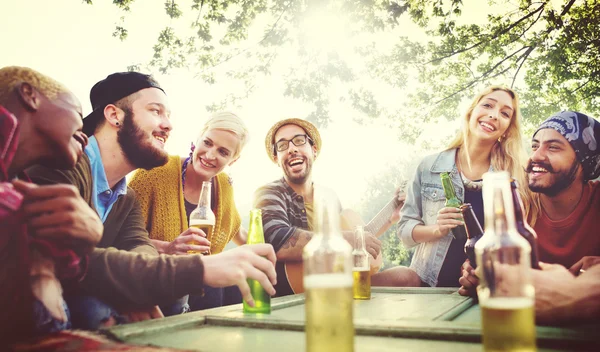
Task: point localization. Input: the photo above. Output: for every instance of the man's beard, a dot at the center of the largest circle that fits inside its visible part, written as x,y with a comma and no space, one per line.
562,180
298,180
139,153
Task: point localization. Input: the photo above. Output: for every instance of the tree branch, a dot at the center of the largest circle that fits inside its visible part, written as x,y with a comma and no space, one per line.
482,76
580,86
524,56
495,36
252,46
567,8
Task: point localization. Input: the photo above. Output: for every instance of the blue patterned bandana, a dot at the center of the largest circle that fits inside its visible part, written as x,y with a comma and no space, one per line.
583,133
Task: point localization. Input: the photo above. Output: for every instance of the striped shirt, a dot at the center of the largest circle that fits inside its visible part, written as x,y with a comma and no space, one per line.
283,212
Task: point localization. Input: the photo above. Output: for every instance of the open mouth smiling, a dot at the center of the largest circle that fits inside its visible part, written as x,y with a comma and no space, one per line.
487,126
205,164
295,161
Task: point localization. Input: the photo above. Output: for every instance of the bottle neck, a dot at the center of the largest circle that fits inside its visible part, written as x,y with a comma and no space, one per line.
205,193
518,205
255,228
359,239
327,214
499,212
449,191
474,229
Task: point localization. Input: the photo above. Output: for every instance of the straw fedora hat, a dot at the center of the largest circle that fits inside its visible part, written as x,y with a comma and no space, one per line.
310,129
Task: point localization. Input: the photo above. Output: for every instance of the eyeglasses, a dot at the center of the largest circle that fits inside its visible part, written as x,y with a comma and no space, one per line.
298,140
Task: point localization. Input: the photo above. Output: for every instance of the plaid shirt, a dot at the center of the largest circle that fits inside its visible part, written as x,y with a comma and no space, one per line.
283,212
16,299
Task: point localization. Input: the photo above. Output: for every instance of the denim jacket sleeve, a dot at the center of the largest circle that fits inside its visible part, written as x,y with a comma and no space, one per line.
411,210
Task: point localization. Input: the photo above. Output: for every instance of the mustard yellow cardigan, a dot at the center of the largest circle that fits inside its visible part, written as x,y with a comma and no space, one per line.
160,194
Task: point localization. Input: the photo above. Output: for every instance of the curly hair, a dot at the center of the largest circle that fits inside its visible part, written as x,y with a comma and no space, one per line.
11,76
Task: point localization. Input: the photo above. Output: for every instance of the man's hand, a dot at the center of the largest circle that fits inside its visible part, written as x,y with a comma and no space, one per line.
141,315
183,243
59,212
235,266
468,280
552,286
401,198
447,219
372,244
584,264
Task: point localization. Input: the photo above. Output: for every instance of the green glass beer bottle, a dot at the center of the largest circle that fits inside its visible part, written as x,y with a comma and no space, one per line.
262,300
327,260
452,201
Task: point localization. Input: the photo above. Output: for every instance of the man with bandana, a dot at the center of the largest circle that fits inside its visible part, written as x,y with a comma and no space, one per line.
565,158
564,162
126,277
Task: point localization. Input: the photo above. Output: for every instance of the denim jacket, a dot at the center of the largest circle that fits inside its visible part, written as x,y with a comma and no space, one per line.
424,198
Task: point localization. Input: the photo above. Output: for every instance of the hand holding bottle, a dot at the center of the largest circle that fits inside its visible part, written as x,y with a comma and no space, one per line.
192,239
235,266
468,280
448,218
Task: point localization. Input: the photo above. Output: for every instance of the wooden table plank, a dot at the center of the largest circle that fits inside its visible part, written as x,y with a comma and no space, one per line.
395,318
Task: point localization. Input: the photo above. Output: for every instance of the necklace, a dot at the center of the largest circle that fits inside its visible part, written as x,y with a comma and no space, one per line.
184,171
475,186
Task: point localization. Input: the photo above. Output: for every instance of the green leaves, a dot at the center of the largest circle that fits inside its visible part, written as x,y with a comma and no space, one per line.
436,54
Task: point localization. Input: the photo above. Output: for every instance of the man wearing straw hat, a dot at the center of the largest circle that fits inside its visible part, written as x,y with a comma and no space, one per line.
287,206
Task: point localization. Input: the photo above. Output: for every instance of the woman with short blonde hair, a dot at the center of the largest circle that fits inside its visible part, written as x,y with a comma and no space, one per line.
168,194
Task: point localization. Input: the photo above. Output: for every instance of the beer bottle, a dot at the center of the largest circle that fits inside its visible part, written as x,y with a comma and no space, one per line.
452,201
203,217
361,270
328,281
474,232
505,291
262,300
523,226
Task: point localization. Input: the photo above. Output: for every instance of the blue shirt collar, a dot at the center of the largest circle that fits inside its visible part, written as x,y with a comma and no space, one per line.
104,197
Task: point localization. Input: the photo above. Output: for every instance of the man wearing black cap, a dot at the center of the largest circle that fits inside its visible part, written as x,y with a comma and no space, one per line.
128,129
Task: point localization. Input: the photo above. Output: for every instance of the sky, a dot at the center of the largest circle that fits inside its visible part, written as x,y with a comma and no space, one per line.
72,42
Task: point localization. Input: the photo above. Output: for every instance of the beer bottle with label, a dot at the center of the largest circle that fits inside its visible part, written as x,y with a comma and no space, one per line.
328,281
361,270
203,217
452,201
505,291
523,226
474,232
262,300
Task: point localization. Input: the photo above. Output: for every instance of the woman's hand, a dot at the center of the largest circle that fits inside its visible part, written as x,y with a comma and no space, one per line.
448,218
183,243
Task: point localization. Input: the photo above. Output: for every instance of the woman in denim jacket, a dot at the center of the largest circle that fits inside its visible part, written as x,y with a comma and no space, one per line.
490,139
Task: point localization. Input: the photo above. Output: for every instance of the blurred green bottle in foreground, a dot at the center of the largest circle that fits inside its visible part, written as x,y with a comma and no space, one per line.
262,300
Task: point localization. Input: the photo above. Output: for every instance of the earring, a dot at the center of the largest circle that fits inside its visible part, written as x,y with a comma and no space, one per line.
117,123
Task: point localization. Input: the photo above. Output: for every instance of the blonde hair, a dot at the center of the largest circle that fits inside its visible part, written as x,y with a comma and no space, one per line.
508,153
12,76
227,121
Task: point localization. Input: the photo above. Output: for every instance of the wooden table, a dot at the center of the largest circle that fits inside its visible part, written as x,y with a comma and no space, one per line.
407,319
